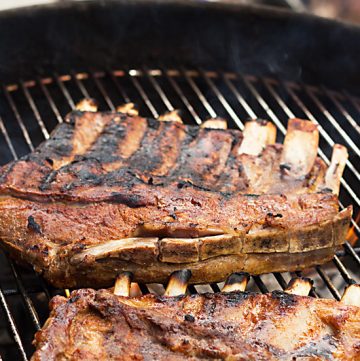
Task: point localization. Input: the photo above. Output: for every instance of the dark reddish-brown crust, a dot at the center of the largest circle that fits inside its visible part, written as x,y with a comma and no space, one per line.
97,325
103,177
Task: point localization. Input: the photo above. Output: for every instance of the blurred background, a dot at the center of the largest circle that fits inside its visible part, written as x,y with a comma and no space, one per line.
346,10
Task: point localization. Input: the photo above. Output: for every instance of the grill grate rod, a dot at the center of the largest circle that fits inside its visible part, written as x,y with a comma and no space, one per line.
344,112
12,326
135,80
26,299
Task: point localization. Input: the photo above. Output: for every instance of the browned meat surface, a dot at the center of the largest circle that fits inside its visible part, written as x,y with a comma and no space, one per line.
97,325
108,192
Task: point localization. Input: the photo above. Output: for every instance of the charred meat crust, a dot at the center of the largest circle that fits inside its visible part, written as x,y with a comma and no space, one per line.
103,178
237,325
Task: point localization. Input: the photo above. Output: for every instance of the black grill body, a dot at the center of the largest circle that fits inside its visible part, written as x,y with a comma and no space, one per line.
208,60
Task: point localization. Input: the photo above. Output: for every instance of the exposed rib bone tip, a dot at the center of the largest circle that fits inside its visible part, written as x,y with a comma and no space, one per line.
214,123
236,282
122,284
300,147
336,168
172,116
128,108
135,290
178,283
299,286
87,105
258,134
351,295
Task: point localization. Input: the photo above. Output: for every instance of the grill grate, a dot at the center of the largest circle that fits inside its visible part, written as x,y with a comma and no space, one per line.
29,110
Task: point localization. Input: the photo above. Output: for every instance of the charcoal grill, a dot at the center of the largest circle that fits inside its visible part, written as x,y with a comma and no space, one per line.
37,93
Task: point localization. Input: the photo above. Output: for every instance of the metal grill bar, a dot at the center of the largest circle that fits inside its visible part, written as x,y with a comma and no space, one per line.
27,301
35,110
50,101
159,90
64,91
143,94
12,326
103,92
222,100
332,120
178,81
185,101
18,119
345,113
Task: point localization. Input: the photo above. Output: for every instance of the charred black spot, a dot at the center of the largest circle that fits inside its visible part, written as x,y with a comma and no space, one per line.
73,299
173,215
189,318
326,190
276,215
182,184
150,181
262,122
266,243
45,184
50,161
131,200
285,299
33,226
195,202
252,195
153,123
285,166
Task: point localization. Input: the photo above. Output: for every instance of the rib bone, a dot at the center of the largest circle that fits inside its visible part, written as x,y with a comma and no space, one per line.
122,284
214,123
299,286
257,134
178,283
116,248
172,116
128,108
87,105
236,282
336,168
135,290
351,295
300,147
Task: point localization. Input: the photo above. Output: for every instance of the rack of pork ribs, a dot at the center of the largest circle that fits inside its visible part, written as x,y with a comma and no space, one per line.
111,192
121,324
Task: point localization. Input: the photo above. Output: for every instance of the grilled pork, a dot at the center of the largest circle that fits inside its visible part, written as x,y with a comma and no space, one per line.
109,192
236,325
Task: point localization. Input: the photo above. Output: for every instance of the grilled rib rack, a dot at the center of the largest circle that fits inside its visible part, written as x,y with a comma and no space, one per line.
29,110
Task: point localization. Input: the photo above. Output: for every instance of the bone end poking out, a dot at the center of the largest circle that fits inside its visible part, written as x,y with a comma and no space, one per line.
336,168
300,147
178,283
214,123
258,134
128,108
87,105
299,286
172,116
236,282
122,284
351,295
135,290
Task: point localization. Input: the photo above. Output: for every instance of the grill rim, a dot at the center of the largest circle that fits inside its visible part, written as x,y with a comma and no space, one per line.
135,78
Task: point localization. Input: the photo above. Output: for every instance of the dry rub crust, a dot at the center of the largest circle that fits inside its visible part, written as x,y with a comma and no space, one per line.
152,259
98,325
108,193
